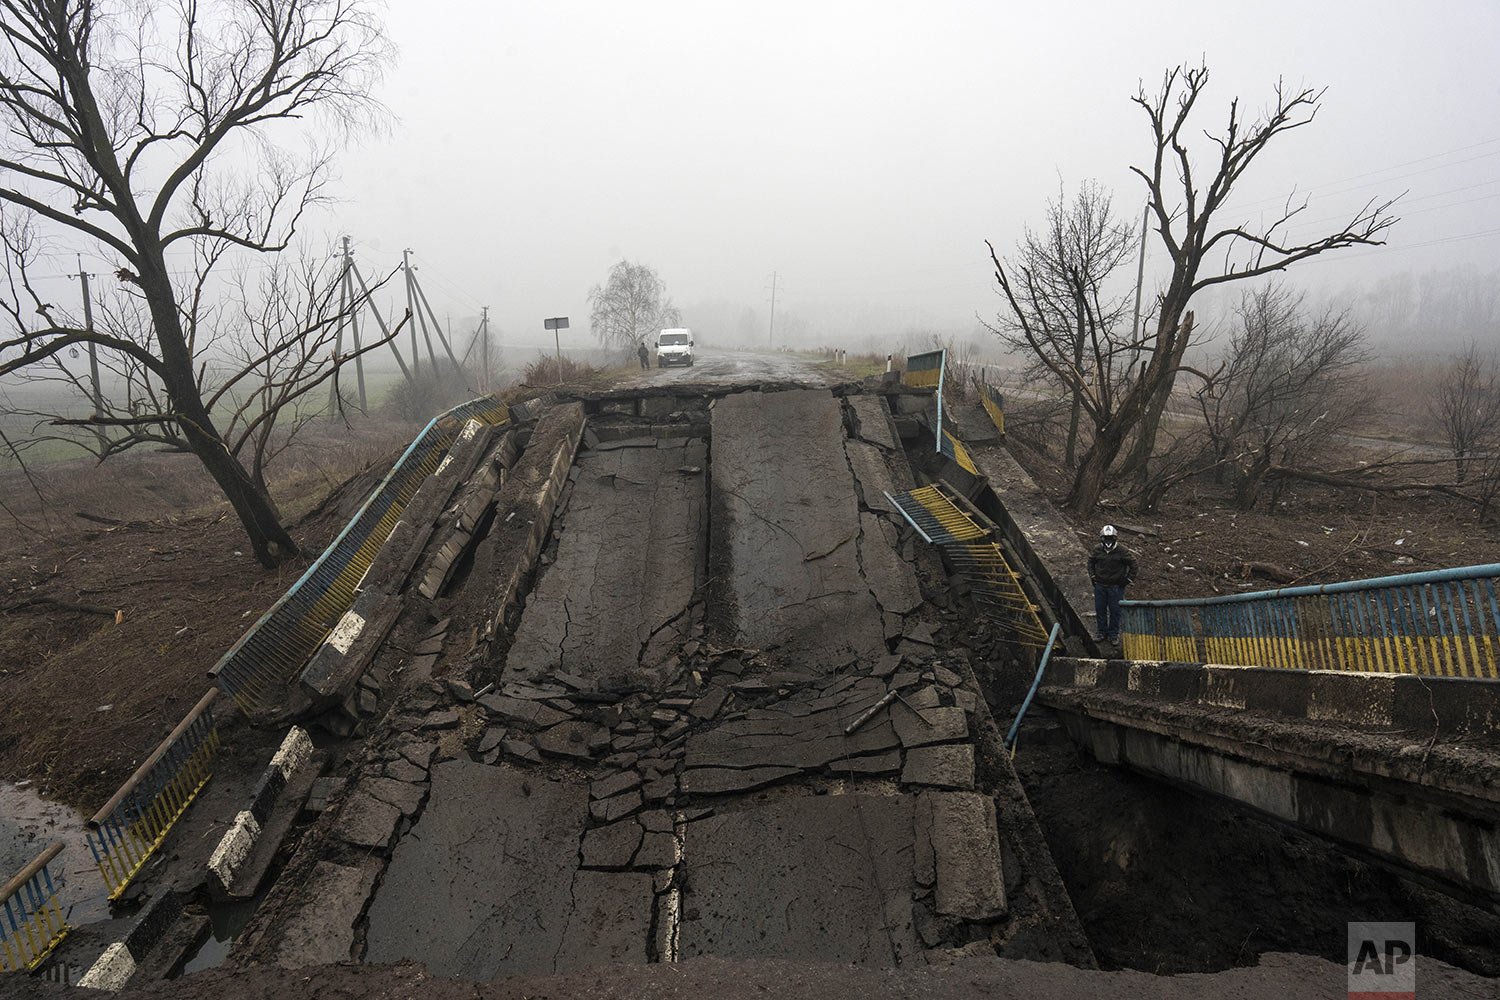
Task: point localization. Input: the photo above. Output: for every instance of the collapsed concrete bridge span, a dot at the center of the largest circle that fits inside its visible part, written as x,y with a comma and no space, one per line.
710,718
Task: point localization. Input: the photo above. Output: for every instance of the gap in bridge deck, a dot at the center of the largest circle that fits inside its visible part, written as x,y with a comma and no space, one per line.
650,792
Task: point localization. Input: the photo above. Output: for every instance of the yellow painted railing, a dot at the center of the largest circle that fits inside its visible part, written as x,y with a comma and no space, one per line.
1443,623
31,921
133,823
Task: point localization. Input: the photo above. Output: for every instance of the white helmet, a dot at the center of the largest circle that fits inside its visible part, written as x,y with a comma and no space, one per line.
1108,531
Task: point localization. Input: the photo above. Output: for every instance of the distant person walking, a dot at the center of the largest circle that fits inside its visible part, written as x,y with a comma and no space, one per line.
644,355
1111,569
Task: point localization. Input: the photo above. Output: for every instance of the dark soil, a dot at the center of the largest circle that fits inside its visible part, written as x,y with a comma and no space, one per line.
1166,881
1278,976
1198,544
86,694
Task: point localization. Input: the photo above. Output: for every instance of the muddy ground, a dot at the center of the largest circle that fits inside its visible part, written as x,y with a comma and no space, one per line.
1198,544
108,626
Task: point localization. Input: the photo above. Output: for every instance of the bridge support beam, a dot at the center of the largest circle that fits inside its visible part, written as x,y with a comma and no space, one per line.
1427,803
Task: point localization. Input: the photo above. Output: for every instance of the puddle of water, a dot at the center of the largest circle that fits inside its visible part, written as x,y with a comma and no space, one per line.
28,823
226,920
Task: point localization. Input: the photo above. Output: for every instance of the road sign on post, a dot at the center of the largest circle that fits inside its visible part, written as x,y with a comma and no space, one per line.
555,324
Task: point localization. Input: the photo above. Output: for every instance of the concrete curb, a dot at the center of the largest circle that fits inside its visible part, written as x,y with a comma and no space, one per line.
1408,701
113,969
239,840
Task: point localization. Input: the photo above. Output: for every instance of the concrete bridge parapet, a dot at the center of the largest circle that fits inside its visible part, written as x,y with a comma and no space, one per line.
1405,769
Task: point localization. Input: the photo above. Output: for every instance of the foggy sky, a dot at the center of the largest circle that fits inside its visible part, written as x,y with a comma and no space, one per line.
864,151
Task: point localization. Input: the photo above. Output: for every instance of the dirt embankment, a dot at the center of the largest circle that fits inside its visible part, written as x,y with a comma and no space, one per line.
1198,544
111,621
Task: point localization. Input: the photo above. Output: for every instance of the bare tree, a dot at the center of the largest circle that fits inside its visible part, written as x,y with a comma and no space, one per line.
143,128
1187,217
630,306
1467,407
1060,314
1288,386
257,364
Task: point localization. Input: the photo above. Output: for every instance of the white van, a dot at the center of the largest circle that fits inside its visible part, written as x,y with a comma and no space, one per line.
674,347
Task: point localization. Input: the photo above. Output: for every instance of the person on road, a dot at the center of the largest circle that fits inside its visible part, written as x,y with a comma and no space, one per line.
1111,569
645,355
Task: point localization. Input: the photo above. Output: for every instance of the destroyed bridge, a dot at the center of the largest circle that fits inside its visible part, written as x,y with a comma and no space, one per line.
693,668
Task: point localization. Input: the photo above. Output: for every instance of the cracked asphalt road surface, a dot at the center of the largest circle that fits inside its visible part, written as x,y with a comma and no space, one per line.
615,604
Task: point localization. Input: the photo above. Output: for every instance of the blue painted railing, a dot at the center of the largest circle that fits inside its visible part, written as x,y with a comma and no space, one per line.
31,921
1438,623
257,668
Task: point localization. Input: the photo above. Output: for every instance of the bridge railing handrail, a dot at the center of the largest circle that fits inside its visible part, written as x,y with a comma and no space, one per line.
267,654
1437,623
1479,572
31,920
134,781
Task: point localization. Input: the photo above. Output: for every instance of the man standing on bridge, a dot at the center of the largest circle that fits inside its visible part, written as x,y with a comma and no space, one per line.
1112,569
645,355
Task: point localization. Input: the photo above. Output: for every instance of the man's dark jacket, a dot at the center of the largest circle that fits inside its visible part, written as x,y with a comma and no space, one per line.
1111,567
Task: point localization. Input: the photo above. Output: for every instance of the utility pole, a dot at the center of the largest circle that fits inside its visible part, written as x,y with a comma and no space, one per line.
385,330
771,337
416,315
359,358
484,333
442,339
88,325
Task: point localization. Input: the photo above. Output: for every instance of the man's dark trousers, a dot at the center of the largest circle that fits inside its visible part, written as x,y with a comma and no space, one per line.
1107,599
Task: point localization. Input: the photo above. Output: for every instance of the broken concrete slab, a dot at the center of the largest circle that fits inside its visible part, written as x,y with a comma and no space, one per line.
824,879
966,856
872,421
872,477
321,932
615,604
610,921
875,764
521,750
946,724
405,797
483,885
657,850
616,808
405,770
614,784
950,766
521,712
419,753
491,739
708,706
613,846
570,739
365,821
728,780
784,547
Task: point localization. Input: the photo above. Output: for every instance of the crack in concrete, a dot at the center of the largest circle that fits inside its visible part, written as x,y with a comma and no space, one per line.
859,553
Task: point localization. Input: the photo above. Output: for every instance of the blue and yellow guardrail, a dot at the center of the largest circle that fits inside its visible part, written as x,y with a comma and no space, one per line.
929,370
924,371
129,828
1441,623
976,556
256,670
31,921
994,404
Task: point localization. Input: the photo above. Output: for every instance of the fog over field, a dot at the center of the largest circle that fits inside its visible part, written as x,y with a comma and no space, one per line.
862,152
